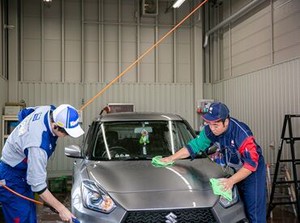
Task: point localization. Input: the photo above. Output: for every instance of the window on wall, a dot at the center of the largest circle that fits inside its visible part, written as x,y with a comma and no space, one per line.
4,39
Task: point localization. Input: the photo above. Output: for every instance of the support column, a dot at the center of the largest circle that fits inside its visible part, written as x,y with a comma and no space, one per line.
13,52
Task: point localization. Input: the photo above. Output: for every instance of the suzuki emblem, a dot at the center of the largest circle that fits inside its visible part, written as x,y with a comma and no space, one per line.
171,218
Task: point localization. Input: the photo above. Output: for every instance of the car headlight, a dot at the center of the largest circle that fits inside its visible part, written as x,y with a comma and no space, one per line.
235,198
95,199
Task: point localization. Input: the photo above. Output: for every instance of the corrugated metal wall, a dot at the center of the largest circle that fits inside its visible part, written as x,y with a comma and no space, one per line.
94,40
176,98
261,99
268,34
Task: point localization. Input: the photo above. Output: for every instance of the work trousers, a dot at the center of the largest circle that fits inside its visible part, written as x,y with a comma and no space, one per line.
16,209
253,193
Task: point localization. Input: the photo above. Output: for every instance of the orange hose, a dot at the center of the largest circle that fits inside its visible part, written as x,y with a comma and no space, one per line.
20,195
142,56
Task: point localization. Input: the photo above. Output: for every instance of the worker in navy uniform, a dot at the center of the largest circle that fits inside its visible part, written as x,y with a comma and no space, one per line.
240,152
24,160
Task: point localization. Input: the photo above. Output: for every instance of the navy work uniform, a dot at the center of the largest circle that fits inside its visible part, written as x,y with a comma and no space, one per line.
239,149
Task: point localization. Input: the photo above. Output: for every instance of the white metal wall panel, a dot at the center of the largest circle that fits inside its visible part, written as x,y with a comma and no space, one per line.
174,98
286,29
250,43
94,41
261,99
268,34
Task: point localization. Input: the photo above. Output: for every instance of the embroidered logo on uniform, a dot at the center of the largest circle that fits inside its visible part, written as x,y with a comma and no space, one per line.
36,116
210,110
232,142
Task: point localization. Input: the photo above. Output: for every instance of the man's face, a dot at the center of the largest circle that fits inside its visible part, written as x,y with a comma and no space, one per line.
218,127
59,131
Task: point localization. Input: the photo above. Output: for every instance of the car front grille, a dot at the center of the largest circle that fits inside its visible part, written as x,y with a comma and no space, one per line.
170,216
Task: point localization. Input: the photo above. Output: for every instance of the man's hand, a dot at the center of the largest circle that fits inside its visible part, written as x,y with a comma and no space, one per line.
180,154
65,215
226,183
63,212
167,159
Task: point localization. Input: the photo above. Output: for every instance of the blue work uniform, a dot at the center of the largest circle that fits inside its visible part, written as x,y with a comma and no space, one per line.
238,149
24,161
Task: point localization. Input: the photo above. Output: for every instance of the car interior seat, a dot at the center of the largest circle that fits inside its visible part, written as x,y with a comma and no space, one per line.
112,138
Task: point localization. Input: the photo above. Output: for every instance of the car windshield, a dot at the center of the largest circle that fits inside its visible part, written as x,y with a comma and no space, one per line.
139,139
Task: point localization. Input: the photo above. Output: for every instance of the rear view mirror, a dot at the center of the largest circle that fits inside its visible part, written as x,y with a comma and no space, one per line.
140,129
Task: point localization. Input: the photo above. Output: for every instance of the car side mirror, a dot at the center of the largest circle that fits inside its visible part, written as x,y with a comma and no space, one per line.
73,151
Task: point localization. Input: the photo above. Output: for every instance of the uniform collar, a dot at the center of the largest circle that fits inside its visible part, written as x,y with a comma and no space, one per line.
47,121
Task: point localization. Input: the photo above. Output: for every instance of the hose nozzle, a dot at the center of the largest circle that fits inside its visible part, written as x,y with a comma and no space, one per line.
2,182
74,220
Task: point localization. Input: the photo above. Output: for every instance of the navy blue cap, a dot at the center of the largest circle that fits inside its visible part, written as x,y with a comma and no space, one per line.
217,111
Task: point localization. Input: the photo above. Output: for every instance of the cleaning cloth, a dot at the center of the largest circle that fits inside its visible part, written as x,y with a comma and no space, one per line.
156,161
218,189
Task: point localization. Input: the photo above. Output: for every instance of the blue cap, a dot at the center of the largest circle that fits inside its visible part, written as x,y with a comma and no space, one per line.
217,111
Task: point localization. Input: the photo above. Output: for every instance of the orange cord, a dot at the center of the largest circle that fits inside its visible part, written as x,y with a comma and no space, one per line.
20,195
142,56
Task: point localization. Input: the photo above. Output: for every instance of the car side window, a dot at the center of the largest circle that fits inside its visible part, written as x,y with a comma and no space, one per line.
90,139
99,147
181,134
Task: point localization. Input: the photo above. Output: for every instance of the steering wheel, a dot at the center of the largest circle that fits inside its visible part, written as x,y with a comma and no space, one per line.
117,151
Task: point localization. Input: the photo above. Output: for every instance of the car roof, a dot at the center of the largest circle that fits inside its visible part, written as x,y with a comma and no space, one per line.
139,116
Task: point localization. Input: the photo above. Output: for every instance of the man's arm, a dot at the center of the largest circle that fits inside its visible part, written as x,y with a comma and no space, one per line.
180,154
194,147
36,177
64,213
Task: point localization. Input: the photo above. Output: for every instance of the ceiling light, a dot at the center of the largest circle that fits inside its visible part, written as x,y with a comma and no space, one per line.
178,3
47,0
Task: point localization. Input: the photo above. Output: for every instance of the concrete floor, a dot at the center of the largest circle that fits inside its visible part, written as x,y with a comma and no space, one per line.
46,215
279,216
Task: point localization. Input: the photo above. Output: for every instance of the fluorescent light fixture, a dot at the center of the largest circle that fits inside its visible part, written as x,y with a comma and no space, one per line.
178,3
47,0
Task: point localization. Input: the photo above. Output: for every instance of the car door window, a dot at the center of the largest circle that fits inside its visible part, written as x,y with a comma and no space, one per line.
181,134
89,141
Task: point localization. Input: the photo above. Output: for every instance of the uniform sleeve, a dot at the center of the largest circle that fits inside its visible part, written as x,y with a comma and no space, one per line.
36,171
199,144
249,155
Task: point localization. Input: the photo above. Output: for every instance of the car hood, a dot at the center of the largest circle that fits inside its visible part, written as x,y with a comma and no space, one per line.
139,185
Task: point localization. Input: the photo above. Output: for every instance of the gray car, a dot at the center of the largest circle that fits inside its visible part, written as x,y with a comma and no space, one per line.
115,181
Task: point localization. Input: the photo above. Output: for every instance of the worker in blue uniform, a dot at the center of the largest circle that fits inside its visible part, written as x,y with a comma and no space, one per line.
239,151
25,156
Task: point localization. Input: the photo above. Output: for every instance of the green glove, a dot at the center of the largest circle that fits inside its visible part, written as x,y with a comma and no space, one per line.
218,189
156,161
